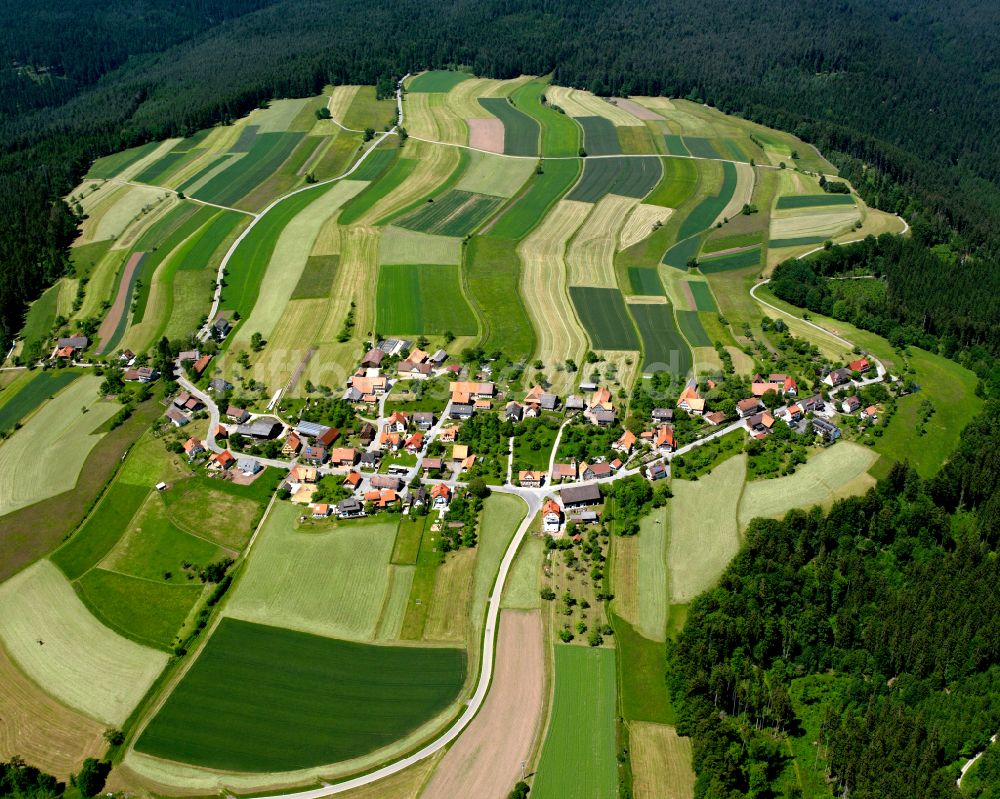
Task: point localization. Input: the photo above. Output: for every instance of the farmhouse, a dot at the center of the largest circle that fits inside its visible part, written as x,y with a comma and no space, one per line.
551,516
531,479
580,496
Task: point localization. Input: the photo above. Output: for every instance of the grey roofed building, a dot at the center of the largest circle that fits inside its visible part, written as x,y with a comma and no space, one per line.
386,481
578,496
264,427
76,342
311,429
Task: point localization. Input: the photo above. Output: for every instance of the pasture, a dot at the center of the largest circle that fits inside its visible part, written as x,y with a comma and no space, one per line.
690,325
81,663
401,246
409,301
599,136
16,402
578,756
628,177
521,132
543,190
604,316
664,349
438,80
456,213
493,277
560,135
330,581
45,456
661,762
489,753
494,175
831,474
299,700
703,528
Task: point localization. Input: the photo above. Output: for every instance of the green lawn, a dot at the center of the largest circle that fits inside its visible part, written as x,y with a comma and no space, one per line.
604,317
298,700
422,299
664,349
493,273
560,134
528,210
578,755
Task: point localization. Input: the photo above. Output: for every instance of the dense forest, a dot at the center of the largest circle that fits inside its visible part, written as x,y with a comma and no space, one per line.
901,94
879,619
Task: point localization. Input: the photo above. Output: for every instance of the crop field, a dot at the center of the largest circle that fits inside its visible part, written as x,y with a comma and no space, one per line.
661,762
653,602
436,81
599,136
457,213
543,191
578,756
15,404
702,294
299,700
44,732
82,663
265,155
560,135
493,276
603,315
703,215
591,253
490,751
833,473
641,223
644,281
703,528
521,132
664,349
409,301
495,175
333,582
627,177
812,200
736,260
45,456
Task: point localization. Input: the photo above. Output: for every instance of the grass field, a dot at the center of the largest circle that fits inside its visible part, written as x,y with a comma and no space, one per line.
544,190
663,347
703,528
456,213
299,700
812,200
17,403
401,246
605,318
494,175
436,81
833,473
521,132
628,177
331,582
242,177
493,277
599,136
560,135
661,762
409,301
578,756
45,456
81,663
591,254
652,574
690,325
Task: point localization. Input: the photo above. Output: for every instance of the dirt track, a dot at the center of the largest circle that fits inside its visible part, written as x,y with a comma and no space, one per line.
485,761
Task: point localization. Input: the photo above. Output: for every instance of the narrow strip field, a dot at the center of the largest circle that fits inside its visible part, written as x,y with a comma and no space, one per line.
299,700
663,346
604,317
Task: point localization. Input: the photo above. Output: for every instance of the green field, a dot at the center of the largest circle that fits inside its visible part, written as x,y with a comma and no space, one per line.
560,134
493,274
599,136
16,404
266,154
520,131
455,213
627,177
812,200
680,178
702,293
437,80
542,193
298,700
578,755
675,144
736,260
111,165
690,325
603,315
317,277
422,299
393,178
645,281
704,214
663,347
700,147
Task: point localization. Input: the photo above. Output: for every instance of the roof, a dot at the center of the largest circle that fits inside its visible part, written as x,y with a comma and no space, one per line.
585,493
